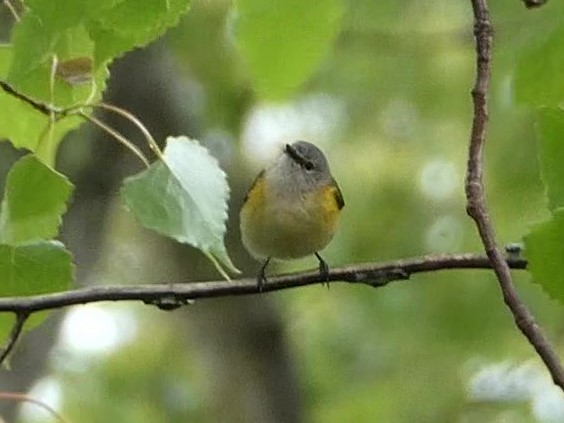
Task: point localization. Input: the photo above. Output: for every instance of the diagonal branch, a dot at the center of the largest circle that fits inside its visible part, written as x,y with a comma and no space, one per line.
17,328
476,204
36,104
171,296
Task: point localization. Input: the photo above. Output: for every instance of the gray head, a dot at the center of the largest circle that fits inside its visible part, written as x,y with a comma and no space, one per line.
301,166
308,157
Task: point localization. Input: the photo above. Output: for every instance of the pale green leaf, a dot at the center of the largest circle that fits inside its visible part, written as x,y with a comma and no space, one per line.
33,269
73,31
33,53
131,24
538,79
184,197
29,69
57,15
545,249
284,41
5,60
550,134
34,200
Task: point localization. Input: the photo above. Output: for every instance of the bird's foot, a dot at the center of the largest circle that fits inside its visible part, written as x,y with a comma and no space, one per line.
323,270
261,277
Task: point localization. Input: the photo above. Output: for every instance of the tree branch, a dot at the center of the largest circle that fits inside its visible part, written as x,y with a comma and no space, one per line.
169,296
475,197
17,328
36,104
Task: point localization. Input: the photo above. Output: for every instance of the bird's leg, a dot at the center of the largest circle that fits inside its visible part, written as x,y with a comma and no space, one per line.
323,270
261,277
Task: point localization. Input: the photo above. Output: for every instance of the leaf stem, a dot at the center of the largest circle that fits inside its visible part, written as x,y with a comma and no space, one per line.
129,116
123,140
216,264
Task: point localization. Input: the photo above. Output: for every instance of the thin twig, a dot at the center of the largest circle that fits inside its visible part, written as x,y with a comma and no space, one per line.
129,116
55,113
119,137
21,317
476,203
173,295
37,105
16,396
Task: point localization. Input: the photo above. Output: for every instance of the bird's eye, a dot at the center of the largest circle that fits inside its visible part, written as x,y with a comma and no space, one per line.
308,165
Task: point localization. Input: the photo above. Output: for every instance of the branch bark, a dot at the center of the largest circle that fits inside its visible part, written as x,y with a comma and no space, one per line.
37,105
169,296
476,207
17,327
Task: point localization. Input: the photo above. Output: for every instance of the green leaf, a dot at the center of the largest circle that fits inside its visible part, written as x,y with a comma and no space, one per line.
58,15
33,269
131,24
538,79
75,31
550,135
5,59
34,201
545,249
184,197
284,41
29,69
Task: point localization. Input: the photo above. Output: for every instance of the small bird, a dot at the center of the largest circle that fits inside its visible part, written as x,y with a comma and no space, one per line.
292,209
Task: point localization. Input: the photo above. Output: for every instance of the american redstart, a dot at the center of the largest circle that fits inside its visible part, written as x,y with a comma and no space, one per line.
292,208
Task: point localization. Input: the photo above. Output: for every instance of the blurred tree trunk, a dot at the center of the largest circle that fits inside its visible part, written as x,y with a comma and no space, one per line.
242,337
249,365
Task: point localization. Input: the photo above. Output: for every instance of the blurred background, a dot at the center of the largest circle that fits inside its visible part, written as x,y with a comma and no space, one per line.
390,105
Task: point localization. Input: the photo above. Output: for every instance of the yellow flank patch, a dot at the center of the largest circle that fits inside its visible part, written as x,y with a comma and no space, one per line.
286,230
256,195
330,207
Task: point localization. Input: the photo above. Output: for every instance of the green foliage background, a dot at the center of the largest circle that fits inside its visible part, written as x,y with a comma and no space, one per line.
402,73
